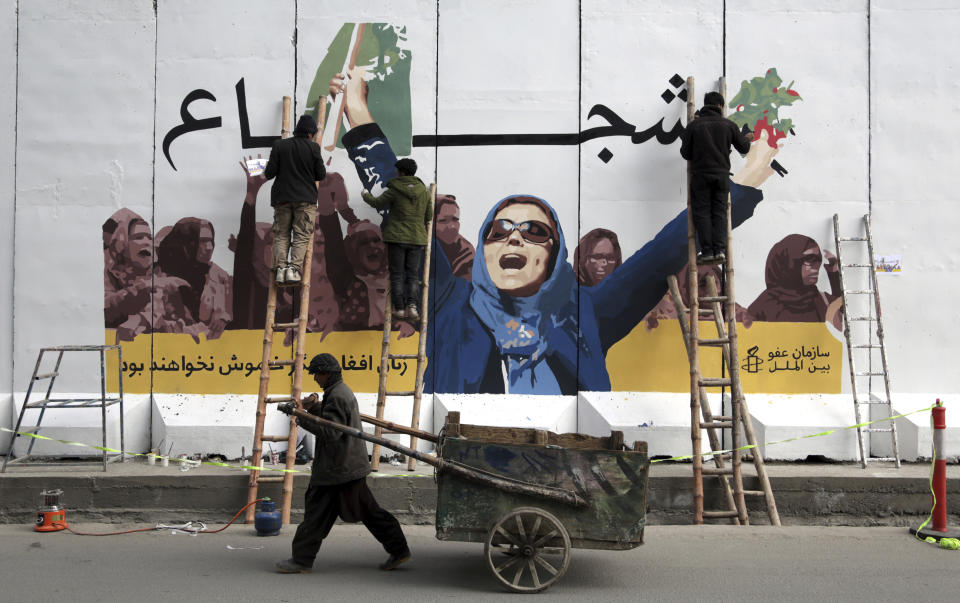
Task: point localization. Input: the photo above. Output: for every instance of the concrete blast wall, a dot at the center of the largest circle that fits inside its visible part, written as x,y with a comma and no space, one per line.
125,217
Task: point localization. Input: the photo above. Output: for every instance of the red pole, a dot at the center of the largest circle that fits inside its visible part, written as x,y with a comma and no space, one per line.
939,468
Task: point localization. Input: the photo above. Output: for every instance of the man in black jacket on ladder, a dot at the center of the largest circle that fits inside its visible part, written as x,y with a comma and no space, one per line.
706,145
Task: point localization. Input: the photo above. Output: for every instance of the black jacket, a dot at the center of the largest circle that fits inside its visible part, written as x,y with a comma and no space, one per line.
338,457
707,139
297,164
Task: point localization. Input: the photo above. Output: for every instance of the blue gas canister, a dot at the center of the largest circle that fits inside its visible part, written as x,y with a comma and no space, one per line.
267,520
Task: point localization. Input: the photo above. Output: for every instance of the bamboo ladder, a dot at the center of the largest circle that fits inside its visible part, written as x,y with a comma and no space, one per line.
701,416
267,363
421,356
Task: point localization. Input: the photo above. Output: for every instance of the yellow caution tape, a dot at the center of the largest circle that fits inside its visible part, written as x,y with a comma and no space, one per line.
284,470
803,437
175,459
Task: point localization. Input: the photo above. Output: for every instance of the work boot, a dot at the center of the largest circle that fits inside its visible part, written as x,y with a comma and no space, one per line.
412,313
289,566
394,561
293,274
281,275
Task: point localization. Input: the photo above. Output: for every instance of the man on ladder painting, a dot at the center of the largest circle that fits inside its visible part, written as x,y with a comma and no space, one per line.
706,145
405,233
338,485
298,167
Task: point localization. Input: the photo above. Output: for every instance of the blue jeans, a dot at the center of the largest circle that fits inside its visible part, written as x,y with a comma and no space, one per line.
405,262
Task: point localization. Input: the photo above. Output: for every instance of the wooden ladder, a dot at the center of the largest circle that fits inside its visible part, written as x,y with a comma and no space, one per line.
267,364
861,346
421,356
701,416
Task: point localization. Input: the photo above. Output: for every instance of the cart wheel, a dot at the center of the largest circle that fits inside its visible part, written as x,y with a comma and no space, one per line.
528,549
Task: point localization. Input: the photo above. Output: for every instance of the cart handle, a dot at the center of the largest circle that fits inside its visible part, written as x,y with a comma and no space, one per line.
445,466
419,433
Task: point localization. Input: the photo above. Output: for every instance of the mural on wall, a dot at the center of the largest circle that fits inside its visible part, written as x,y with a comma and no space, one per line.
510,310
518,328
792,272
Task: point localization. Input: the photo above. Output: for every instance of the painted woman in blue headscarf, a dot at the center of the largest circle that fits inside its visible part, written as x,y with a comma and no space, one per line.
524,326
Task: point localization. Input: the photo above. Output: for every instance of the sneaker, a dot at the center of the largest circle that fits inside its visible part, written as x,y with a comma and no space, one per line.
703,258
281,276
399,313
289,566
394,561
293,274
719,257
412,313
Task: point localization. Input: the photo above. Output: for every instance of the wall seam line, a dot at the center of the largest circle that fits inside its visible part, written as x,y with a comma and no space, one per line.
296,49
153,202
579,186
869,109
723,53
870,363
13,236
432,328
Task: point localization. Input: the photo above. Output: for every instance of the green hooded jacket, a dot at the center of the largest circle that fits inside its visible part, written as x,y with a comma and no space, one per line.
411,209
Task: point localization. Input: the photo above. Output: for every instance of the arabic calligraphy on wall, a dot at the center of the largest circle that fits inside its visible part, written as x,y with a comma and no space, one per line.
775,358
232,363
811,359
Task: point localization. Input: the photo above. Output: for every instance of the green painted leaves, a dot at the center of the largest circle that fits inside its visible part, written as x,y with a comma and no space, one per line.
758,102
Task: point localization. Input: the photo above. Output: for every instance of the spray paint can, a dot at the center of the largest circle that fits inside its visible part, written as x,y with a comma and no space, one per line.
51,516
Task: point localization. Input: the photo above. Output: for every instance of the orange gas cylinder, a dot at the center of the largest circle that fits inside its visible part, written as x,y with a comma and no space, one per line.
51,517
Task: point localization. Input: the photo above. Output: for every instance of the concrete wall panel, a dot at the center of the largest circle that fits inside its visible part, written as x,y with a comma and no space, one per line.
8,125
84,131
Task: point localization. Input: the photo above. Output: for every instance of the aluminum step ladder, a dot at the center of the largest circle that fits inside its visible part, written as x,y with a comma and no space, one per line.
722,307
421,356
861,345
103,402
267,364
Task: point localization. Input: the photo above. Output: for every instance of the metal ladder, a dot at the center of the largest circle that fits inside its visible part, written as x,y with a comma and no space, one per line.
421,356
701,416
267,364
47,402
865,348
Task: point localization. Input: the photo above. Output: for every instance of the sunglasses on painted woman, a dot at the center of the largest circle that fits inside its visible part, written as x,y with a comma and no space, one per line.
532,231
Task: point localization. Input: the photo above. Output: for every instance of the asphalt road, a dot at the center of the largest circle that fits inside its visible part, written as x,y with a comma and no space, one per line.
677,563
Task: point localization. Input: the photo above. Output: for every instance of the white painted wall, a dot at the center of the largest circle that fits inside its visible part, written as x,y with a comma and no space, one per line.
8,130
84,131
914,93
101,83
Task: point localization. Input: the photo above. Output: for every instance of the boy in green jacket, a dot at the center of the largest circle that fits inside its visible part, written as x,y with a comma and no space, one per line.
405,234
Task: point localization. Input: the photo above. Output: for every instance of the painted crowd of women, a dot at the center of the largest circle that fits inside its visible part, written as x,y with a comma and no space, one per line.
791,275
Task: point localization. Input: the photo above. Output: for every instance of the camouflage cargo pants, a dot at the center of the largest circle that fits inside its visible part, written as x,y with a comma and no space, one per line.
292,226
